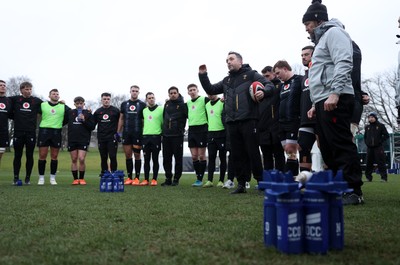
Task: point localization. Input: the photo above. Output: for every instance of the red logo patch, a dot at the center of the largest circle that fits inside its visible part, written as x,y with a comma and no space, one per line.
132,108
26,105
306,83
286,87
2,106
105,117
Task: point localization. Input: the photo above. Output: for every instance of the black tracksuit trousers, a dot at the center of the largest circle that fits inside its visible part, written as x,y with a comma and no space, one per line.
336,144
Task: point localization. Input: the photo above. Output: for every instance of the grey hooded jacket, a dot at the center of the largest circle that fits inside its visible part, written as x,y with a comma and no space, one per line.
332,62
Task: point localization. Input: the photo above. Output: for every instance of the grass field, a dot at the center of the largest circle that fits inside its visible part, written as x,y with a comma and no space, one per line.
67,224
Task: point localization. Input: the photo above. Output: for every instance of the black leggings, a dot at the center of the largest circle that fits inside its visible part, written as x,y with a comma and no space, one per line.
151,155
212,155
108,150
21,139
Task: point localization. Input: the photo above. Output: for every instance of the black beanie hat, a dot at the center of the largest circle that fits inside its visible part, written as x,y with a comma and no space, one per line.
316,12
373,114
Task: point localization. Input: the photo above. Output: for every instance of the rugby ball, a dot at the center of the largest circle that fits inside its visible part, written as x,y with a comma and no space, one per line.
254,87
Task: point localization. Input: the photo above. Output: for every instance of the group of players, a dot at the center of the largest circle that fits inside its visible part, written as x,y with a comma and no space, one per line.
285,116
147,126
138,125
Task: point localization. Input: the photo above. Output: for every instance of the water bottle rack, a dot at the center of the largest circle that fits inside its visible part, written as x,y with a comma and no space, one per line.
112,181
309,221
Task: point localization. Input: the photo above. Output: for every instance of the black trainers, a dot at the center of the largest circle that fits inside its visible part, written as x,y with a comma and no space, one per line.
27,181
166,183
352,199
175,183
15,181
240,189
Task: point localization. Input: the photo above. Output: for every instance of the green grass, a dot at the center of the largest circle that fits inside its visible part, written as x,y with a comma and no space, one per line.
67,224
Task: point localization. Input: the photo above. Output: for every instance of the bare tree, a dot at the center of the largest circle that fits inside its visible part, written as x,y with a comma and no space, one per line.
116,100
381,90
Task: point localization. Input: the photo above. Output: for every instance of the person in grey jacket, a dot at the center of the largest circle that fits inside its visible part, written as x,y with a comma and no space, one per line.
332,95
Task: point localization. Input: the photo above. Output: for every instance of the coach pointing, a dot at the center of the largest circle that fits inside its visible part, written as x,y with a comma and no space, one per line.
241,115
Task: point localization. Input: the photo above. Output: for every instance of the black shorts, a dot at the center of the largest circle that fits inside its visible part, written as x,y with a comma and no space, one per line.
108,145
306,138
288,137
4,140
22,138
219,142
197,139
49,137
77,146
151,143
131,139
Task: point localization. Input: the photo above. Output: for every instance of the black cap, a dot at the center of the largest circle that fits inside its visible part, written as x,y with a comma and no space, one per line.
316,12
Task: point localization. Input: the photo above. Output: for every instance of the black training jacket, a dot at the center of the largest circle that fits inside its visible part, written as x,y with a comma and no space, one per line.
238,104
375,134
174,117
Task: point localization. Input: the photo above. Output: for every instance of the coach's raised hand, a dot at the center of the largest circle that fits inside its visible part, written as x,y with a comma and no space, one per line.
202,69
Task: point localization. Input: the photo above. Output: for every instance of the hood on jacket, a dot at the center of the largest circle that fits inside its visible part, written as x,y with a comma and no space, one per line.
245,67
180,99
321,29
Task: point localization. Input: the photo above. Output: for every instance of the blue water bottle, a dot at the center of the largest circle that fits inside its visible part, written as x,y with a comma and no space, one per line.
270,218
120,175
316,227
109,183
316,211
115,182
336,234
289,212
269,176
79,111
103,184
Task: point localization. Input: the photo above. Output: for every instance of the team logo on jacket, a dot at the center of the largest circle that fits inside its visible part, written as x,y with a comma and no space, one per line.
286,87
105,117
244,77
212,112
52,111
193,107
132,107
150,118
306,82
26,105
2,106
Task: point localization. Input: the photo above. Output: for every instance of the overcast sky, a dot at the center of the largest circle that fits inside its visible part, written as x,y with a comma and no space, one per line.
86,47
